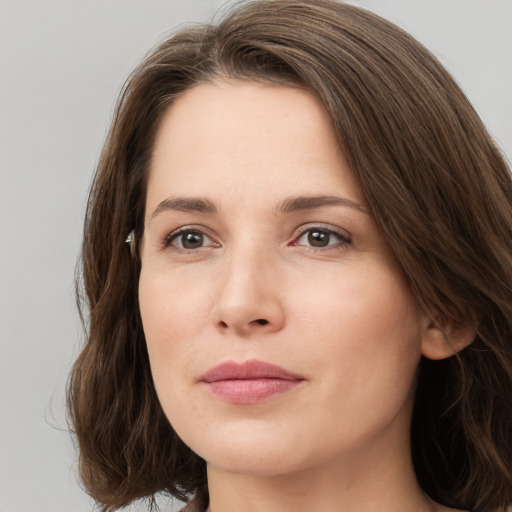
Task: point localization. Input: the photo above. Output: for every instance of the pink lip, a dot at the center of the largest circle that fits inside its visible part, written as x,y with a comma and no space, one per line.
249,382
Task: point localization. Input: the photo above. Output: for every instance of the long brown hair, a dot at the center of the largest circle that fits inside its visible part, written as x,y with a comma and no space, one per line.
435,182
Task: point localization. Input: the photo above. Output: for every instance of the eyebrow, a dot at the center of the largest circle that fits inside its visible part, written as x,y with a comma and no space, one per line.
185,204
288,205
293,204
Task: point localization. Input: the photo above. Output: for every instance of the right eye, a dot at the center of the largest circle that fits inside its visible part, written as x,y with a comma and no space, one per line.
188,239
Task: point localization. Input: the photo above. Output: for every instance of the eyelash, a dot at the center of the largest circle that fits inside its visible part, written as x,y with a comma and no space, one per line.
343,239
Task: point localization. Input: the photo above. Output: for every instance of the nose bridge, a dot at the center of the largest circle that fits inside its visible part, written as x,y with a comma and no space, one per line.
248,295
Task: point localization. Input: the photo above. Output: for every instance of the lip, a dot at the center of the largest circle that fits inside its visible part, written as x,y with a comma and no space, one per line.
249,382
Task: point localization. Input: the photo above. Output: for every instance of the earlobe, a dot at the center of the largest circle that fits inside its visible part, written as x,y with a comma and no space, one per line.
444,339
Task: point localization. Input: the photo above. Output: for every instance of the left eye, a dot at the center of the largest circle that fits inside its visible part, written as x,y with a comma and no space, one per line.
321,237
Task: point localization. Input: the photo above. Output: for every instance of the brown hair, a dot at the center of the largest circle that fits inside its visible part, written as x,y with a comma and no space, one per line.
435,182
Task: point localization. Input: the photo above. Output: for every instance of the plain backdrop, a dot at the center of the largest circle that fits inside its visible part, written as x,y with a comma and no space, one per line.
62,63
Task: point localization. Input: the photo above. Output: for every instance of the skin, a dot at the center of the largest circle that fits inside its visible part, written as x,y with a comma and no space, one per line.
342,316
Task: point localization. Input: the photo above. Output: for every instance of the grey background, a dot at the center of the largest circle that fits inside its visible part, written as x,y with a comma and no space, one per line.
62,63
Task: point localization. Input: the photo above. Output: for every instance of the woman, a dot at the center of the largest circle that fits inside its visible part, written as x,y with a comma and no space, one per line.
315,308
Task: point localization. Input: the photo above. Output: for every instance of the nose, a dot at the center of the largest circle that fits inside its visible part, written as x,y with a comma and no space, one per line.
248,300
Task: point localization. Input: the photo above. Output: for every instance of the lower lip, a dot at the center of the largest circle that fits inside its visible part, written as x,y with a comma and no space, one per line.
249,391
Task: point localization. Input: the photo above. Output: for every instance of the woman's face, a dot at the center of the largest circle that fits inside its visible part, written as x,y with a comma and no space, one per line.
259,247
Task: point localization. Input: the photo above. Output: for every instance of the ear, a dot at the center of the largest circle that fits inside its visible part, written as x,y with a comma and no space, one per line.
443,337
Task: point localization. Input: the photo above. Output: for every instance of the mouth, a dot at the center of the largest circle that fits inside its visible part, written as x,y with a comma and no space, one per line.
249,382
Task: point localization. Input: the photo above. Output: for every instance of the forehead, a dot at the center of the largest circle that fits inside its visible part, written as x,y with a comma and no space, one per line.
234,138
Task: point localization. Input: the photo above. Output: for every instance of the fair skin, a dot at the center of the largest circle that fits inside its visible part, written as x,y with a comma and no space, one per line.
308,285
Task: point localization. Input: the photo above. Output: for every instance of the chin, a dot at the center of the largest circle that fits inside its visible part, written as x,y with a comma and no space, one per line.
251,448
255,463
275,460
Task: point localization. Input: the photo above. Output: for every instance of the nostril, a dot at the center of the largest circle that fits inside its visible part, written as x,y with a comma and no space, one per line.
260,321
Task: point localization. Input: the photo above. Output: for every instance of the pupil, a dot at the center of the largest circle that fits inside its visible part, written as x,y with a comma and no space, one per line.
318,238
192,240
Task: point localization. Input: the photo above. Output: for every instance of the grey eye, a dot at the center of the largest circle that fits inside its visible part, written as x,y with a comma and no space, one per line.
320,238
189,239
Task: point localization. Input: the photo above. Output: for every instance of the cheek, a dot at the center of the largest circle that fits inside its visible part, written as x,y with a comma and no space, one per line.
371,305
171,308
368,335
173,318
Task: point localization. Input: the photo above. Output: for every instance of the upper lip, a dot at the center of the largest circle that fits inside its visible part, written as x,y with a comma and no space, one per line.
247,370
